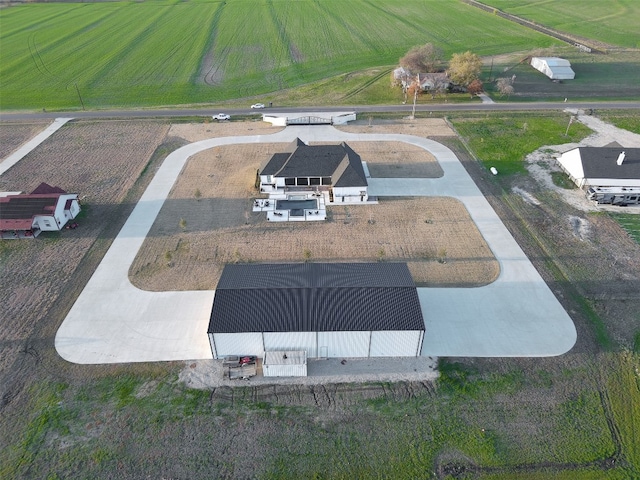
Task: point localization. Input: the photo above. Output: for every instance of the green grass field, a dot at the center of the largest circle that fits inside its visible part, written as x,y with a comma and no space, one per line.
614,21
504,142
630,223
113,54
496,423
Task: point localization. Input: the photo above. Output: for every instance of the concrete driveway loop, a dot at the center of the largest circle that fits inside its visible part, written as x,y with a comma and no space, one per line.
112,321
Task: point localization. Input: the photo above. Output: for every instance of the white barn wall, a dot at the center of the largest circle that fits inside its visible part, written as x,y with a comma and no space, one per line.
246,343
291,341
345,344
395,343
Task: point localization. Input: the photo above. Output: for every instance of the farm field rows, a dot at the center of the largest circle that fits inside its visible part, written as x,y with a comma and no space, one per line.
614,22
70,56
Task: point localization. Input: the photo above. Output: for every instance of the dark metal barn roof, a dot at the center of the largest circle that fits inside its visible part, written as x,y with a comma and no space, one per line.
310,297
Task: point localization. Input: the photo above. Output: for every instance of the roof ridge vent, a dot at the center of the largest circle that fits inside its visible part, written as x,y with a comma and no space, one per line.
620,158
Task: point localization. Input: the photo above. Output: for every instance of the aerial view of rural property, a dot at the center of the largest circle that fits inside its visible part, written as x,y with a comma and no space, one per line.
320,239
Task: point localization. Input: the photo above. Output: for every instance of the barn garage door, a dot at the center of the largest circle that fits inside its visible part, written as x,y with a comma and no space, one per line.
291,341
393,343
345,344
249,343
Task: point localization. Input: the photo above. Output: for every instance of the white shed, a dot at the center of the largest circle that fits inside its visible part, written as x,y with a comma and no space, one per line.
285,363
553,67
324,309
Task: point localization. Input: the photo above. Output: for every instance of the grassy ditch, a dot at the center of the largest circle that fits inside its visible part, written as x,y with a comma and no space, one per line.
630,223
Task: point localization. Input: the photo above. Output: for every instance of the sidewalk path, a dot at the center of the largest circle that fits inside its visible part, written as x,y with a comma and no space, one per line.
112,321
19,154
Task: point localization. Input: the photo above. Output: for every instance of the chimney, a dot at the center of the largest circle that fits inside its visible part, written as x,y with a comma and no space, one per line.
620,158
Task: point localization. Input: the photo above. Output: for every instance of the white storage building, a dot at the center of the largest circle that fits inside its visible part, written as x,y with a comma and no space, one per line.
553,67
324,309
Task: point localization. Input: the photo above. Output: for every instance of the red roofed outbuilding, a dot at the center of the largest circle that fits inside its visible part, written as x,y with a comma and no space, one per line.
47,208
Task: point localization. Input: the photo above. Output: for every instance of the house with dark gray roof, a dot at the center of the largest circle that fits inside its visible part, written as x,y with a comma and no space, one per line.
323,309
335,171
607,174
47,208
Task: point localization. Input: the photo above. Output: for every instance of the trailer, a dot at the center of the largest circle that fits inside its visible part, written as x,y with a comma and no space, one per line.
621,196
240,367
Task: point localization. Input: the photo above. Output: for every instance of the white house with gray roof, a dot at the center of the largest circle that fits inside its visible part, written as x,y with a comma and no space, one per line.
334,171
607,174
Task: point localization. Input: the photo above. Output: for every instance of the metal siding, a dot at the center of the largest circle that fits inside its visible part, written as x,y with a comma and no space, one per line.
212,343
285,370
291,341
248,343
396,343
345,344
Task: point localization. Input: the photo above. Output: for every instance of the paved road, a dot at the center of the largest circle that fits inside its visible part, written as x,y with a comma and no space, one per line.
517,315
206,111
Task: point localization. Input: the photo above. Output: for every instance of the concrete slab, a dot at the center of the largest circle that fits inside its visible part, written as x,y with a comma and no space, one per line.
517,315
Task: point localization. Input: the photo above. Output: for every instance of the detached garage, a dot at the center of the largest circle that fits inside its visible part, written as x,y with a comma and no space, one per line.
323,309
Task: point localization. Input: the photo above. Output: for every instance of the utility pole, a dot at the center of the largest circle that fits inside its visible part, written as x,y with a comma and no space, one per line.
79,96
571,119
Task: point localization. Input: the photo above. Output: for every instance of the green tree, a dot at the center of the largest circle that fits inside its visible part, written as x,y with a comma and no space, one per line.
464,68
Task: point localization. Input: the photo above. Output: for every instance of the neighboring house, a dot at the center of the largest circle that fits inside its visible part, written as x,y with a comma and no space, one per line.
402,77
334,171
427,81
553,67
323,309
433,81
47,208
607,174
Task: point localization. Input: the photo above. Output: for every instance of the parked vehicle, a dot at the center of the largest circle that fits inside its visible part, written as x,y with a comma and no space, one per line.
257,105
222,116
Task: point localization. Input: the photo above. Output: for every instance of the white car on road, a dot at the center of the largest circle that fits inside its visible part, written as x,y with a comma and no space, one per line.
257,105
222,116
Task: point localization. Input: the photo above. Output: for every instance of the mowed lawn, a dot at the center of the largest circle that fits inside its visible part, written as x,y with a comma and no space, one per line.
612,21
110,54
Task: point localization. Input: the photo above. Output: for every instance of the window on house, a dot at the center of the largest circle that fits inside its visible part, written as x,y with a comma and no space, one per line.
289,181
303,181
326,180
314,181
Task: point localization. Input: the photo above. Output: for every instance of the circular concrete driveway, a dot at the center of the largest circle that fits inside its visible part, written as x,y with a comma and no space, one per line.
517,315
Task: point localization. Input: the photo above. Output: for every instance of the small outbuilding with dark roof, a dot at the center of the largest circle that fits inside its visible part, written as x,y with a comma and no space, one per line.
324,309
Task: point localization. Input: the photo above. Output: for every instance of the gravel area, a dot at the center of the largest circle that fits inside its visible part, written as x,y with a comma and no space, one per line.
207,374
542,162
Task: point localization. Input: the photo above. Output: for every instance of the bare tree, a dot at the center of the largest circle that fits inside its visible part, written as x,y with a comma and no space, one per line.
505,86
423,59
464,68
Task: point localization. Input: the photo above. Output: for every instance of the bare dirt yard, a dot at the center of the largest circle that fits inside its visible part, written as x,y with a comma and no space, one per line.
207,222
14,134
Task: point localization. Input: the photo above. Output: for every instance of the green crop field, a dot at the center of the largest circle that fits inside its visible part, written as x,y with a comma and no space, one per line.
613,21
113,54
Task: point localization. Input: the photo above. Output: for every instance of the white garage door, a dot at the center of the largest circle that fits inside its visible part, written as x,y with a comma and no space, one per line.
238,344
394,343
344,344
291,341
